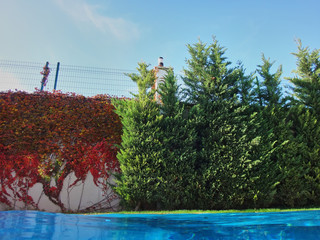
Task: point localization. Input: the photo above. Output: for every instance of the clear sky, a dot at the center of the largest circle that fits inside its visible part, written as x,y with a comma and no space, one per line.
120,33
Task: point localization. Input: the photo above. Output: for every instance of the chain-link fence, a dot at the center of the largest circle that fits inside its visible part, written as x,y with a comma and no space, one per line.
87,81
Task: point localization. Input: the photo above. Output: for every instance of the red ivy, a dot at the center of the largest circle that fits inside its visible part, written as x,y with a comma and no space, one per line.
46,136
18,173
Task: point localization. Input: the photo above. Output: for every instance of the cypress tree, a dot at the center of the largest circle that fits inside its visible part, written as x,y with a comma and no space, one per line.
306,128
307,80
222,144
179,153
299,166
245,86
274,132
270,92
140,151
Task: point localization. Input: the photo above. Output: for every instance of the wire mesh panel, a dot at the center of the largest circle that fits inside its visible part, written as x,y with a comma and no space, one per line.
87,81
92,81
20,75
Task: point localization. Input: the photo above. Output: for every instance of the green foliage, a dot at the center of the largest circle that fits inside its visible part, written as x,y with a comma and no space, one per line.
179,143
300,184
145,80
307,79
245,86
273,131
233,143
269,89
208,75
140,162
156,154
140,151
223,146
169,92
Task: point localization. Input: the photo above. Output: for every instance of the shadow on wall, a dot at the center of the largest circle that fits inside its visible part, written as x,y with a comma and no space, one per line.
82,197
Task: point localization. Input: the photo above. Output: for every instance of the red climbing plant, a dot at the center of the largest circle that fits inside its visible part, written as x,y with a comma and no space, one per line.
46,136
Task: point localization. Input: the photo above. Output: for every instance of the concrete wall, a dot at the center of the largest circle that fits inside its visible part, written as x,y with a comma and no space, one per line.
76,198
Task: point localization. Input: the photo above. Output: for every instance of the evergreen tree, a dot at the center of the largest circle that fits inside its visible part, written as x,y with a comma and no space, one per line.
272,129
234,146
245,86
157,152
257,93
222,144
306,128
270,90
280,168
307,80
209,75
141,148
299,166
179,156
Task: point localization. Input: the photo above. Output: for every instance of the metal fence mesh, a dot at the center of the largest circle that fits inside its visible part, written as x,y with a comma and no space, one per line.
87,81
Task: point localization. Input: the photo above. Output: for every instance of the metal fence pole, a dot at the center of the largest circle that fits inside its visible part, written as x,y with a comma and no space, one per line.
57,74
45,74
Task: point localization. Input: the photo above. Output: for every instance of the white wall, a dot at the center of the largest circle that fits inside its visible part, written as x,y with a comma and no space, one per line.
78,197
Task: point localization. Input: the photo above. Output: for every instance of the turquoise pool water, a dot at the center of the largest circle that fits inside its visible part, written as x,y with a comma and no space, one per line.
41,225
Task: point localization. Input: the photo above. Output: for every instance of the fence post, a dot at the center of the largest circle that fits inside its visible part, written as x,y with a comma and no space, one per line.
45,74
57,74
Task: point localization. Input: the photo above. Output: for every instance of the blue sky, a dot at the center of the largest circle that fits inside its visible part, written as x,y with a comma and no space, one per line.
119,33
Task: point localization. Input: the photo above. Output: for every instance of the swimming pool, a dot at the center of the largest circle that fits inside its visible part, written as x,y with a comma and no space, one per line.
41,225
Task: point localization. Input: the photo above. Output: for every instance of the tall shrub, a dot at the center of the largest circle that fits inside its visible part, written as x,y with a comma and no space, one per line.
306,82
306,128
140,155
179,155
273,129
223,147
